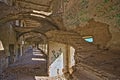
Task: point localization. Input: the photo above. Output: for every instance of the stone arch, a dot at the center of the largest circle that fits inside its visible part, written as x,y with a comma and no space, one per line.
76,41
27,15
42,35
31,31
66,37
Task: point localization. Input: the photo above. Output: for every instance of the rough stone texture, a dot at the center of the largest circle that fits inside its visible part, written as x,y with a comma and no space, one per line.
83,10
99,31
3,64
89,57
100,18
104,13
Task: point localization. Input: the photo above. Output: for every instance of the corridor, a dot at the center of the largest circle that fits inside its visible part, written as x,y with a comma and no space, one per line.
59,39
33,63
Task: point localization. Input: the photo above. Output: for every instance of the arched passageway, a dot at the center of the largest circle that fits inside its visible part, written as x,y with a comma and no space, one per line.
86,31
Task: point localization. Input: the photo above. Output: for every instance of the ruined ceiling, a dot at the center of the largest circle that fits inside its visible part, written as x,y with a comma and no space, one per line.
89,17
36,15
68,15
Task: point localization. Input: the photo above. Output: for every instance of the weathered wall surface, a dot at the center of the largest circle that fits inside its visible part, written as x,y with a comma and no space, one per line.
78,13
2,61
8,36
99,31
61,56
106,11
97,18
88,57
100,19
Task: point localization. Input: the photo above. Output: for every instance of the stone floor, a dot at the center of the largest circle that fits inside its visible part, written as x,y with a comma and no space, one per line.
32,63
32,66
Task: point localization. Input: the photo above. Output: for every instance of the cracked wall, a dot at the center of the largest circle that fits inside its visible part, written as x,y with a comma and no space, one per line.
78,14
97,63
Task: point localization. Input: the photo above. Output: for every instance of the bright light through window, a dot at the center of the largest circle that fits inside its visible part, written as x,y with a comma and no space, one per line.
88,39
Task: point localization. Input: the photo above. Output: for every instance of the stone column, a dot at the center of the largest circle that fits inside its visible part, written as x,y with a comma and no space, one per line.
66,61
21,50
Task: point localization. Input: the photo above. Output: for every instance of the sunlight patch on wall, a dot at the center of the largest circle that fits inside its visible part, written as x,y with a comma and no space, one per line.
38,15
56,67
37,54
43,12
40,78
1,45
72,60
38,59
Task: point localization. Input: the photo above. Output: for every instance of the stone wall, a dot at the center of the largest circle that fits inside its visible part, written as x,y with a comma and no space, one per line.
88,57
3,59
8,36
78,14
99,31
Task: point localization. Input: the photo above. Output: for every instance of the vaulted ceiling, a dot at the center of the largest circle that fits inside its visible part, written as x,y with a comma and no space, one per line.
45,15
32,16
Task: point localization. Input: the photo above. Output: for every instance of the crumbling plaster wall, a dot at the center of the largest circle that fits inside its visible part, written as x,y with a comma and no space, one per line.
88,57
78,13
99,31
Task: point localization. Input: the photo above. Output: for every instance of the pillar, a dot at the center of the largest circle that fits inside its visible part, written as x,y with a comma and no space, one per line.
21,50
66,59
